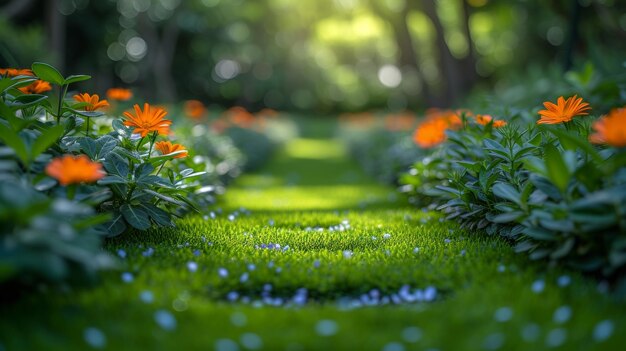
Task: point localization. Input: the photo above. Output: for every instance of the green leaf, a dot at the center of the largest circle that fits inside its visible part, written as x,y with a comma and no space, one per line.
104,145
507,191
115,226
90,114
116,164
143,170
571,139
112,179
134,156
135,216
121,129
88,146
539,234
159,216
564,249
48,73
557,169
507,217
26,100
158,160
164,197
47,138
190,203
494,145
196,174
9,83
76,78
7,113
12,139
70,124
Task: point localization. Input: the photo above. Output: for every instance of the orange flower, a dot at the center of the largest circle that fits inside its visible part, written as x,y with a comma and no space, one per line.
119,94
36,87
240,116
499,123
486,119
611,129
194,109
432,131
93,101
483,119
74,169
167,148
563,111
268,112
400,122
13,72
151,119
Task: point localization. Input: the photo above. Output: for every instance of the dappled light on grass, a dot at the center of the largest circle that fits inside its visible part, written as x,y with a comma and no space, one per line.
310,174
315,149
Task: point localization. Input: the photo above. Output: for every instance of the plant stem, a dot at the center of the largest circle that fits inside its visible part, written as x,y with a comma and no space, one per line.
154,135
62,92
160,168
71,191
139,143
87,129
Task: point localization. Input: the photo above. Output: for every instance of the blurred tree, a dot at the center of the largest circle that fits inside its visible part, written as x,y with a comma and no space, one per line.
316,55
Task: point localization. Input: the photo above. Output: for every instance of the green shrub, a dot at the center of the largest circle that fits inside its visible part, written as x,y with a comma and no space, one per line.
548,189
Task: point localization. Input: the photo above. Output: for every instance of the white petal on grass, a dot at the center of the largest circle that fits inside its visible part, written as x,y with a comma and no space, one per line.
562,314
95,338
127,277
251,341
503,314
531,332
556,337
603,330
165,320
146,296
326,327
394,346
563,281
226,345
494,341
538,286
238,319
192,266
412,334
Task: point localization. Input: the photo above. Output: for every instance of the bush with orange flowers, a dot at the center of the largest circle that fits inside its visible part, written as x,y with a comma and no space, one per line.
555,185
85,180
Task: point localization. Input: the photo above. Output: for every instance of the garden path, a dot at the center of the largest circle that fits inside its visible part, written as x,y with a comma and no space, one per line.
355,249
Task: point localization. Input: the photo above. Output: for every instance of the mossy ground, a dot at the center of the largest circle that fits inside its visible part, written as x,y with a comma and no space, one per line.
487,296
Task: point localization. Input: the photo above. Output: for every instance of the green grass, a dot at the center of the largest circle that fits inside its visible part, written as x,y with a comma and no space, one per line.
312,183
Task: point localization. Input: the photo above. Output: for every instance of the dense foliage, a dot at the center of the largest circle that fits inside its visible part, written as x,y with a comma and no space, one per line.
545,186
72,175
554,186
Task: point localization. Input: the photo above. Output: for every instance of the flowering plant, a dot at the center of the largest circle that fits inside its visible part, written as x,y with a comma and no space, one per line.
556,187
128,172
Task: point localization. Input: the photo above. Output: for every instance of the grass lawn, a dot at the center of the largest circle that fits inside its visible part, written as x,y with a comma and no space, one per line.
357,269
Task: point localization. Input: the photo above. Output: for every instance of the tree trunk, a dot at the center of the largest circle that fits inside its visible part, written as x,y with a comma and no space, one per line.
449,67
408,56
161,51
469,62
56,33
